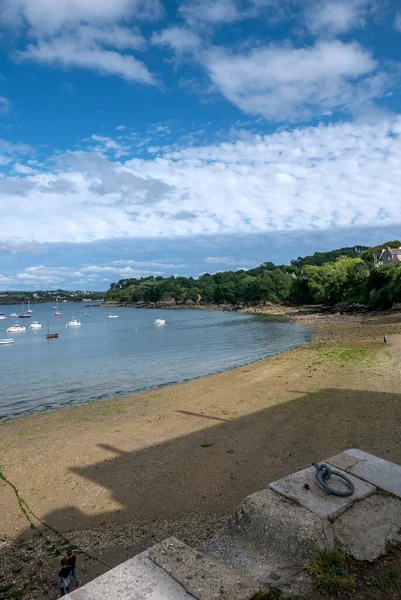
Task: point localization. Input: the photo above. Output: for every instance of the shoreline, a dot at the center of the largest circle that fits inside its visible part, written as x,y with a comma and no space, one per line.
122,397
115,476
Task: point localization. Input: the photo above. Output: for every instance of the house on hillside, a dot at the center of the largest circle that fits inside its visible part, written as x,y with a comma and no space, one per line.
390,256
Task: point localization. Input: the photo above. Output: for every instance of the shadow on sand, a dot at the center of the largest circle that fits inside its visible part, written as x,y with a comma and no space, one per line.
211,470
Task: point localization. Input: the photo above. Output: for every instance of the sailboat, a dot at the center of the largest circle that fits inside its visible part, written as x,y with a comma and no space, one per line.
24,315
50,335
112,316
57,313
29,307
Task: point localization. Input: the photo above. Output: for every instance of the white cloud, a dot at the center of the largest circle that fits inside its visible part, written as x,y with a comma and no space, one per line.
23,169
211,11
67,52
146,263
287,83
397,22
82,33
311,178
228,261
4,104
41,276
336,16
107,144
178,38
51,15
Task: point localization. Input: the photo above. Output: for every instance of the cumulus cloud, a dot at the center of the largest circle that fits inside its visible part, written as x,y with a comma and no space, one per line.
179,39
336,16
85,33
45,276
65,52
313,178
50,16
287,83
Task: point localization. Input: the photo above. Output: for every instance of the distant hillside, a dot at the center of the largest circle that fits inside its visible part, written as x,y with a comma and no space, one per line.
319,258
342,276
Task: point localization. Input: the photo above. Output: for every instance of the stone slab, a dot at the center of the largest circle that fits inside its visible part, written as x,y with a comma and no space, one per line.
302,487
382,473
201,575
281,532
365,530
136,579
342,461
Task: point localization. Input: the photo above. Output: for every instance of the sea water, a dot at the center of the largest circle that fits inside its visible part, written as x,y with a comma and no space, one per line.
107,357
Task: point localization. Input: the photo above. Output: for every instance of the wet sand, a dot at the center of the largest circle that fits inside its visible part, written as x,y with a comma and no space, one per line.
116,475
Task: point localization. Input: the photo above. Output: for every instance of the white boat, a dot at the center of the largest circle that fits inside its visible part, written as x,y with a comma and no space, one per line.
2,317
29,308
73,323
160,322
35,325
16,328
57,313
6,341
112,316
13,315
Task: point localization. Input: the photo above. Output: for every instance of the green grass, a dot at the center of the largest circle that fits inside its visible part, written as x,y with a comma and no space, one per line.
324,570
267,317
383,582
344,355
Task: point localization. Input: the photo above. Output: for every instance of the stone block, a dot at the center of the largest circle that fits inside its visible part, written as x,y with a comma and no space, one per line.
302,487
342,461
382,473
367,527
284,533
201,575
136,579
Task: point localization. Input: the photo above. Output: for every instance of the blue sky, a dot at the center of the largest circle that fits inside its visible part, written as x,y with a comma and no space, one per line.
146,137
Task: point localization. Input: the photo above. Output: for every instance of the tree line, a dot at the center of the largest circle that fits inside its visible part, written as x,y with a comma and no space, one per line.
344,276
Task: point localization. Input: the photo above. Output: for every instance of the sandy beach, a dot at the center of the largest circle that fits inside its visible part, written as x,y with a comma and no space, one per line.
113,477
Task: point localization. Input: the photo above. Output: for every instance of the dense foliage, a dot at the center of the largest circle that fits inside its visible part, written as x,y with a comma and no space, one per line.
346,276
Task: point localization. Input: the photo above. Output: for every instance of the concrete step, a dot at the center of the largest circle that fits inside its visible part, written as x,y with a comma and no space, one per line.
136,579
201,575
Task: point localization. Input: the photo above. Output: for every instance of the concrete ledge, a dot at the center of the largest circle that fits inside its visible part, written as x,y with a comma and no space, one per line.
136,579
200,574
302,487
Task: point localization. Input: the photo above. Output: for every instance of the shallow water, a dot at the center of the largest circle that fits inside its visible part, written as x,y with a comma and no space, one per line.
110,357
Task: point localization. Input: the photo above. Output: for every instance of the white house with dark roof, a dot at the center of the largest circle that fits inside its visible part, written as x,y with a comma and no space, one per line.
390,256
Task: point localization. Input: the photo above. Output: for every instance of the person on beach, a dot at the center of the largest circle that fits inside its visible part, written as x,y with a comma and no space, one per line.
71,562
64,577
385,339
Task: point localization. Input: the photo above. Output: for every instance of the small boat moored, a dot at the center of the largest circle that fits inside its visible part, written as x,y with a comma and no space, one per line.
57,313
6,341
16,328
13,315
160,322
73,323
49,335
2,317
35,325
